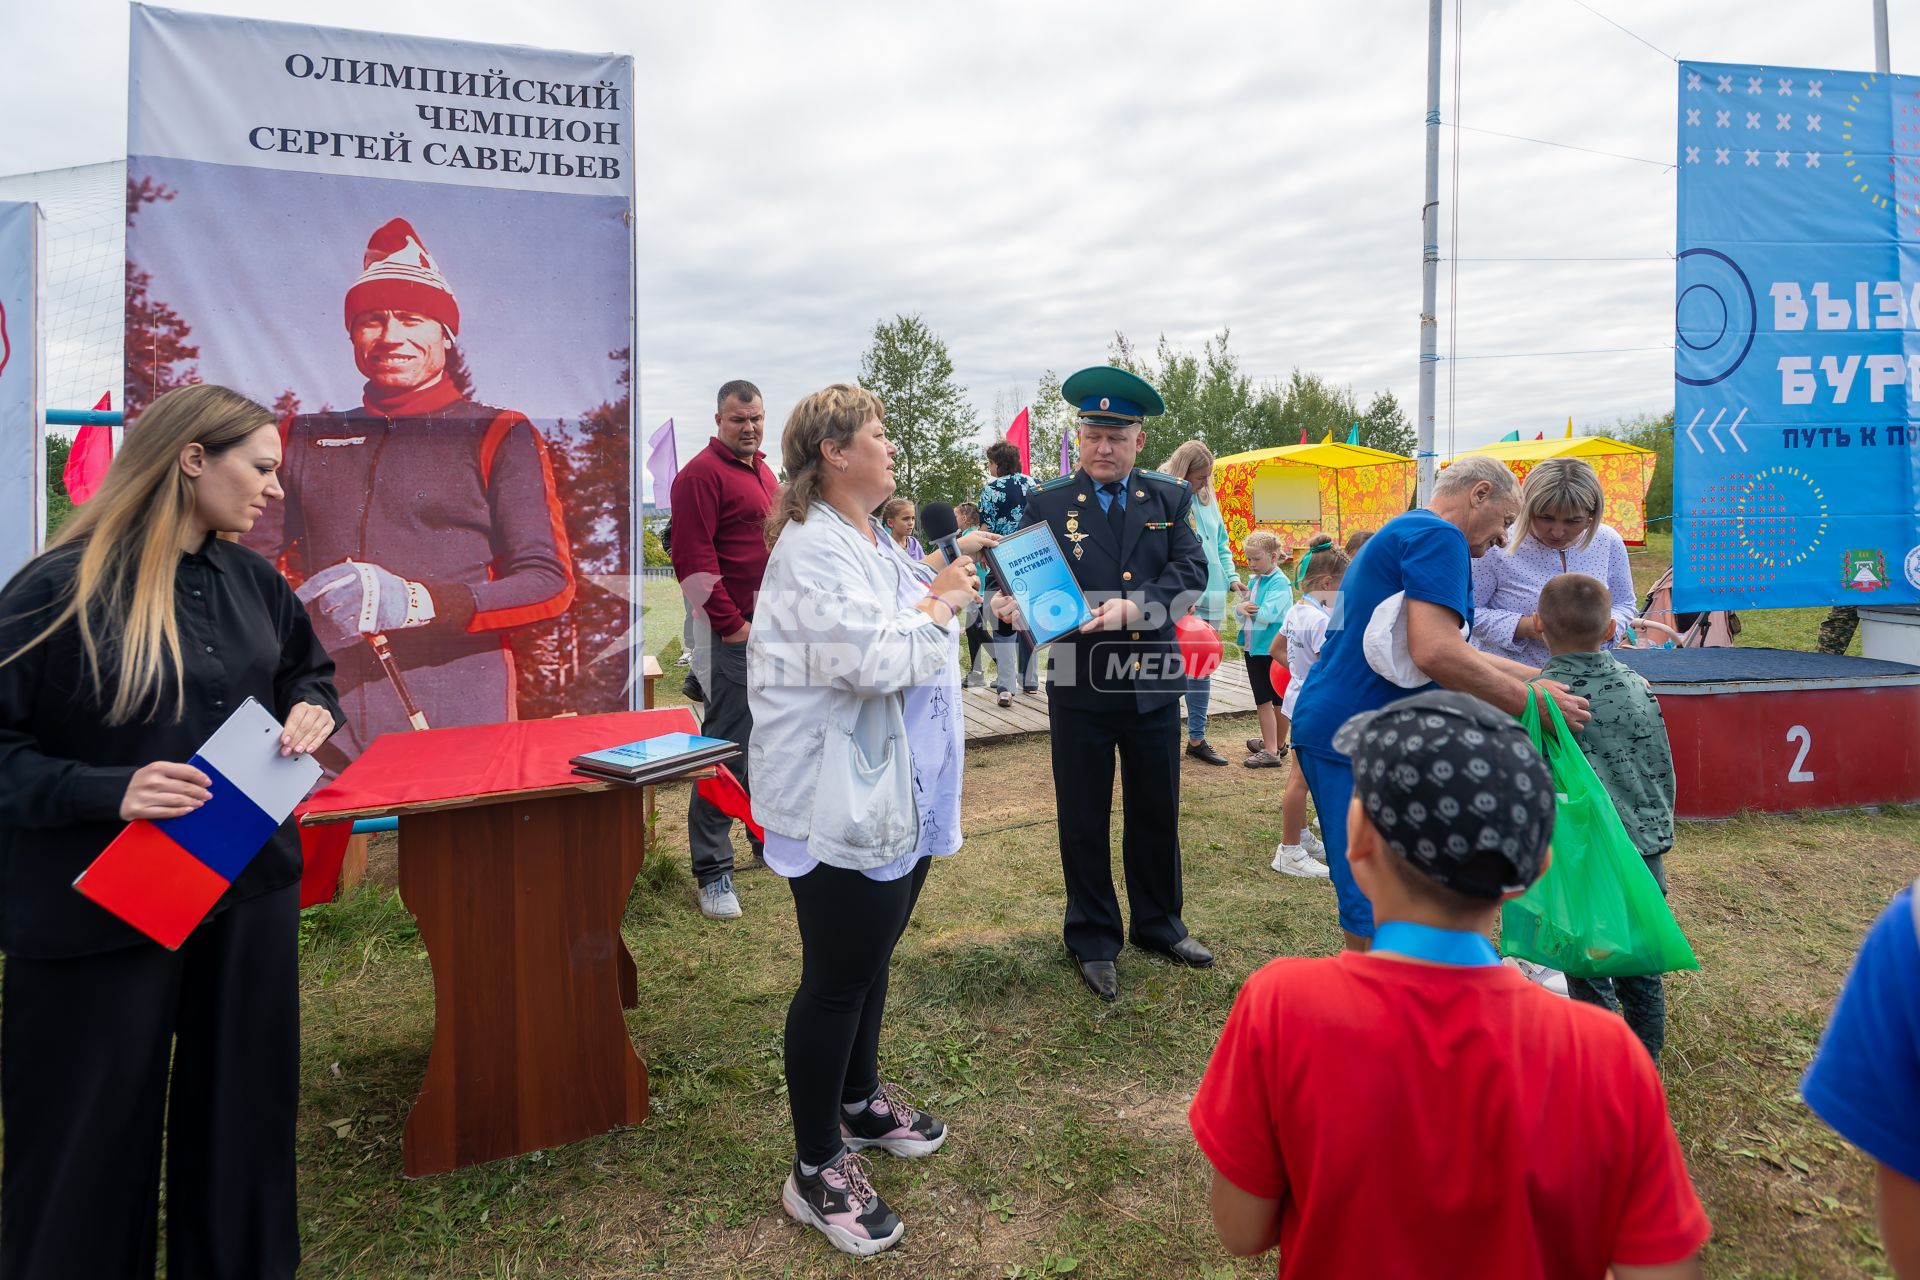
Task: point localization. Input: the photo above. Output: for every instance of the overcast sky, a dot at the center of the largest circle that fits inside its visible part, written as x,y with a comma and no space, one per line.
1032,177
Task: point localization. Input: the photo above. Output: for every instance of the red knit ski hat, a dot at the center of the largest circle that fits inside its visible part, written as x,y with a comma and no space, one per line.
398,275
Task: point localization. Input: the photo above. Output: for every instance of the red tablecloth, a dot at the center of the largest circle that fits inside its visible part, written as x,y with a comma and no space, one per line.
453,764
483,759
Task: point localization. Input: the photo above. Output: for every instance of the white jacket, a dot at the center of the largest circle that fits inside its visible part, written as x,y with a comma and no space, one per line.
829,659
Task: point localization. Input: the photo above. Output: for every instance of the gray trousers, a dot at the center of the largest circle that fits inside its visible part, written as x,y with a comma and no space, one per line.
709,831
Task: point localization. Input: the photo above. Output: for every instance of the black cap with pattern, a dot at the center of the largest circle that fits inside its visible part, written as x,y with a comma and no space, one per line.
1453,786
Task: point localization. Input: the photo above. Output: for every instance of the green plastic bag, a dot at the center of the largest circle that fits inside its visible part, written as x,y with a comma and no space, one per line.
1597,912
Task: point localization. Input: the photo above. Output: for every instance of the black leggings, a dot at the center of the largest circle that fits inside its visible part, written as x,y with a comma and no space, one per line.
849,925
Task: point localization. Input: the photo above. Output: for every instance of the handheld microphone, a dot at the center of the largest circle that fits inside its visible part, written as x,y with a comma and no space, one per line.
942,527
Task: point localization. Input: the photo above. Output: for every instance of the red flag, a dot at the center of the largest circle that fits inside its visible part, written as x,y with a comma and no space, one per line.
88,460
1540,435
1303,435
1017,436
724,792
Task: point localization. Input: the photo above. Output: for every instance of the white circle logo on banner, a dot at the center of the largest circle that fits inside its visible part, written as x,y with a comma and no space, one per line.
1913,566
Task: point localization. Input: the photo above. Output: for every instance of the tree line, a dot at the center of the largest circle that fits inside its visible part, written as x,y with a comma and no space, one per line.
1209,398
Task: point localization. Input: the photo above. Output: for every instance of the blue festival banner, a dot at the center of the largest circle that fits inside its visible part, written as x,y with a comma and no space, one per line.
1796,338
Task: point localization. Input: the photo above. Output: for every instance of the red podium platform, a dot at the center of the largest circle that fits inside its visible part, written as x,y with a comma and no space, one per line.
517,870
1775,731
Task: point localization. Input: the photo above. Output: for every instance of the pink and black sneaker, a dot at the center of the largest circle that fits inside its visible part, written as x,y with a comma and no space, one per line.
892,1124
842,1205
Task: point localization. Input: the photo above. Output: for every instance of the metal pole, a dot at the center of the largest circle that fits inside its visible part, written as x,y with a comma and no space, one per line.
1882,62
1430,261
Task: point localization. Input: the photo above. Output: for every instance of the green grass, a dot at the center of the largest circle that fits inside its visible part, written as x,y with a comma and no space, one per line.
1070,1151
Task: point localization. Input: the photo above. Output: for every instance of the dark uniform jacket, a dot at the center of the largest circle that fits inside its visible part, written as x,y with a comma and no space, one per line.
64,770
1156,562
450,493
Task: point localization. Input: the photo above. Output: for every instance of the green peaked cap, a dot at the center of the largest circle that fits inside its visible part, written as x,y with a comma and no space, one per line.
1106,392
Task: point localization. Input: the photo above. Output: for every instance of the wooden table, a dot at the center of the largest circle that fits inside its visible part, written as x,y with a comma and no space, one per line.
518,891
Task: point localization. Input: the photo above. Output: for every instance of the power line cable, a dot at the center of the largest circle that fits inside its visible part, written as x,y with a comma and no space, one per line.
1533,355
1636,35
1548,142
1663,257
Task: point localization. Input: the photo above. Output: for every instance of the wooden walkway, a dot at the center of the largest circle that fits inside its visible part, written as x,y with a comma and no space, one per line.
987,721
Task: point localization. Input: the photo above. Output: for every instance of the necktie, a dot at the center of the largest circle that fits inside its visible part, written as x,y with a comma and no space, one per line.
1116,506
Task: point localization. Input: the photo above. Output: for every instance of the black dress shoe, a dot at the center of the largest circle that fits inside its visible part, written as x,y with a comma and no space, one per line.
1186,951
1203,750
1102,978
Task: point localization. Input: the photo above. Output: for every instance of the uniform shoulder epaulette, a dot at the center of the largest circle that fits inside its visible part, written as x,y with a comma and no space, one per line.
1164,478
1058,482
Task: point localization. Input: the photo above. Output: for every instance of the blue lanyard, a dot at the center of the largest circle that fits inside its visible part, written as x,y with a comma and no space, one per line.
1442,946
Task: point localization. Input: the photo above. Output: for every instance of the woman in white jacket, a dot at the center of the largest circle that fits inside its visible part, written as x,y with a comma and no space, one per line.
853,678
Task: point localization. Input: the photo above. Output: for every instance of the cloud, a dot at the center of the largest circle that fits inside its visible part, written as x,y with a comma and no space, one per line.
1032,178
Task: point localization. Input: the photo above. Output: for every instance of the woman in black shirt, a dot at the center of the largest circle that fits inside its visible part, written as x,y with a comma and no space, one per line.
123,647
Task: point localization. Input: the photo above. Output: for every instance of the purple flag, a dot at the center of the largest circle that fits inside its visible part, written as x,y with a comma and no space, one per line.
1066,448
663,464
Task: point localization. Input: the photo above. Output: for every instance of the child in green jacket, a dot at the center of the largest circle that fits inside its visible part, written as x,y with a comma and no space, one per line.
1626,743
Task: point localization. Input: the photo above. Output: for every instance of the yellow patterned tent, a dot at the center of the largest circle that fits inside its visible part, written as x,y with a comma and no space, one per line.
1625,471
1299,488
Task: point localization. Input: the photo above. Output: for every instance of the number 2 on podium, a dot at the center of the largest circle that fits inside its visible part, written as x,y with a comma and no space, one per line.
1800,735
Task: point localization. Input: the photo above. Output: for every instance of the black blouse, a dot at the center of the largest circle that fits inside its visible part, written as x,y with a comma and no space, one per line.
64,770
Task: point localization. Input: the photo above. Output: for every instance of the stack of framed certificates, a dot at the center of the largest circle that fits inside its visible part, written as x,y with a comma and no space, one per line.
651,759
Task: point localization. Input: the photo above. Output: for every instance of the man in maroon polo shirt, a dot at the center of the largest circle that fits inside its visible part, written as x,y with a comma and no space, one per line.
720,504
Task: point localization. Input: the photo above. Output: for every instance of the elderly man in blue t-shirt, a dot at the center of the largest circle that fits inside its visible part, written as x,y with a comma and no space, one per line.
1413,582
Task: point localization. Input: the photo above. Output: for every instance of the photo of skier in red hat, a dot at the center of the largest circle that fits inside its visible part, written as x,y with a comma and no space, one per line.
421,527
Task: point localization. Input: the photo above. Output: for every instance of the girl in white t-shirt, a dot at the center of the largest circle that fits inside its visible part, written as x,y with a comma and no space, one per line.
1301,637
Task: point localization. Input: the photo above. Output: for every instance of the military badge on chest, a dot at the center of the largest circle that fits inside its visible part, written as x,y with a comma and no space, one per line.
1074,535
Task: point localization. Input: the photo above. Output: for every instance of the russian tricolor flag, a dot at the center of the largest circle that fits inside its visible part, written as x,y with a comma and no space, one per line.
163,877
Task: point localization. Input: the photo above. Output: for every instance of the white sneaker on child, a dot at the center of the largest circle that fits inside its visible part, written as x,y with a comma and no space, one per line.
1541,976
1292,860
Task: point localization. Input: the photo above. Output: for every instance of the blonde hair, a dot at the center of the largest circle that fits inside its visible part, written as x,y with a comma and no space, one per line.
1562,484
1263,540
833,413
1324,560
1187,459
129,536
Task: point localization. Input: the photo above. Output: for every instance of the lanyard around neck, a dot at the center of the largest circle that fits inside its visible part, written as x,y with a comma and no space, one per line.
1441,946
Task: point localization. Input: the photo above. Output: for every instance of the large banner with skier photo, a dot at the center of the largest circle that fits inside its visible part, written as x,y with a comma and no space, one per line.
418,253
1797,338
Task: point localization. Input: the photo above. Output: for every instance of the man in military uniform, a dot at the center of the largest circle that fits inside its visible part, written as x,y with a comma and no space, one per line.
1115,685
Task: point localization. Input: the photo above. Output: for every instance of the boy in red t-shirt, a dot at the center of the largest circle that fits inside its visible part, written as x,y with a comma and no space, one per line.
1422,1109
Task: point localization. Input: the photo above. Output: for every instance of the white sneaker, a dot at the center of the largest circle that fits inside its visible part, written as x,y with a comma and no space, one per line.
1538,974
1292,860
1310,841
718,901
